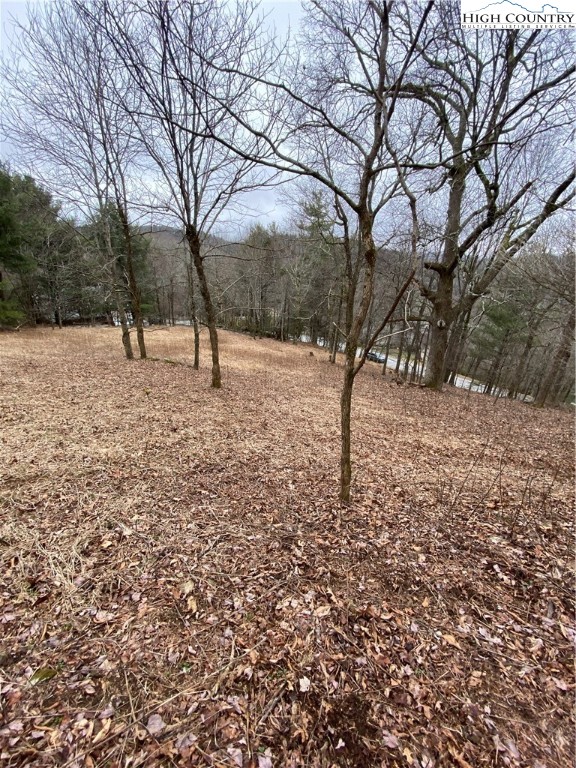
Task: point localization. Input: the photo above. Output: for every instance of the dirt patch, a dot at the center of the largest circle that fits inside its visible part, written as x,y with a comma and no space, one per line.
180,586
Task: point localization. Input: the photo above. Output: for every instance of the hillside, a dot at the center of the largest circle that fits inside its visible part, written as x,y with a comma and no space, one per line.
180,586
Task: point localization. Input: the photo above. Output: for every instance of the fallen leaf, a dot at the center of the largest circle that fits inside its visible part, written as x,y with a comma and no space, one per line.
185,741
187,588
103,732
102,617
536,643
512,748
236,755
155,725
45,673
390,740
462,762
451,640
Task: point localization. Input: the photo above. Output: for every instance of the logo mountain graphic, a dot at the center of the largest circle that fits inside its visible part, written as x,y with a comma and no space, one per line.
508,5
508,14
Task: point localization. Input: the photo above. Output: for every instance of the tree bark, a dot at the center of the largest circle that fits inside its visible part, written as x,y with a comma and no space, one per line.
194,317
424,347
134,288
126,341
442,309
522,364
345,422
550,387
439,332
456,344
194,246
399,353
336,336
356,321
119,287
387,350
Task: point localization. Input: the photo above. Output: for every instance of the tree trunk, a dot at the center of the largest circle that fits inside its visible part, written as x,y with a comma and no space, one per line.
134,288
498,383
158,300
456,345
313,331
568,396
442,297
194,246
159,308
522,365
126,341
525,381
439,332
171,303
136,304
532,387
407,359
493,378
345,428
415,350
194,317
472,371
399,353
550,387
282,319
387,350
424,353
355,321
336,337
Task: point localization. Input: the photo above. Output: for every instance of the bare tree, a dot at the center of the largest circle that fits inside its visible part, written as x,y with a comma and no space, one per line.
164,47
326,109
497,109
553,273
59,108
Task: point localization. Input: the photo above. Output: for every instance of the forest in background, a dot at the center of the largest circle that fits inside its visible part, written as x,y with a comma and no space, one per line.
288,284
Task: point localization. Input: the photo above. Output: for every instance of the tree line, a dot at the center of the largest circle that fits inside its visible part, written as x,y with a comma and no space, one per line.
285,283
430,172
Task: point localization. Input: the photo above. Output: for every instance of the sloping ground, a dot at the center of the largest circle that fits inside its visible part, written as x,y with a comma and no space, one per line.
180,587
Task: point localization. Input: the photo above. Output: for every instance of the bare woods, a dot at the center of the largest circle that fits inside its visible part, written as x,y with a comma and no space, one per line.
425,169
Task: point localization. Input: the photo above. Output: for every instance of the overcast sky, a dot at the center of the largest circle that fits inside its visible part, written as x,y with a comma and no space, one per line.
266,205
282,13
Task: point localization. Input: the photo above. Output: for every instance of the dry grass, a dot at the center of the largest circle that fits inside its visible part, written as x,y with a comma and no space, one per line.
173,551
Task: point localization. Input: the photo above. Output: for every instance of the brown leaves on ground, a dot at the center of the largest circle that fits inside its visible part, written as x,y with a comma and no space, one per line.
179,585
